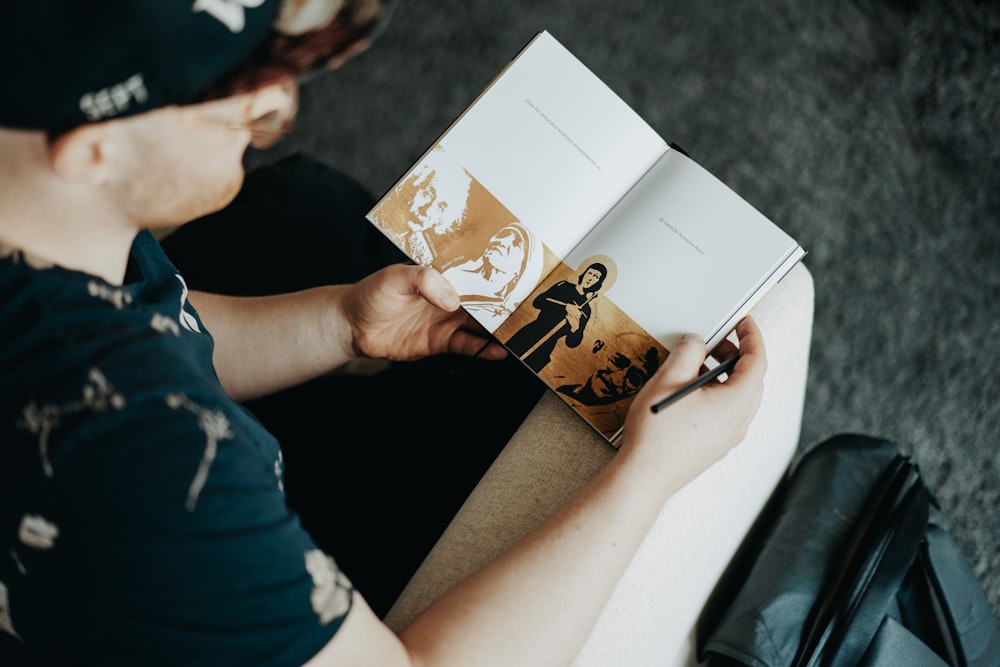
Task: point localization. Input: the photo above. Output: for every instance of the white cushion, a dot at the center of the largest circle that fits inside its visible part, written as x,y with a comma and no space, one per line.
651,616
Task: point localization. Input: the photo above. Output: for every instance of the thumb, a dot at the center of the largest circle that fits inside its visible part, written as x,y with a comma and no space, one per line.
436,289
684,361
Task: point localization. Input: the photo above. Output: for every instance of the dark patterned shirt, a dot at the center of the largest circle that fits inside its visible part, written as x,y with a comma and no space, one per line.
142,514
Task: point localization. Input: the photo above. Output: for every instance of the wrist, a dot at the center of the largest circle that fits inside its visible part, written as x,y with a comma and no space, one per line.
336,327
651,467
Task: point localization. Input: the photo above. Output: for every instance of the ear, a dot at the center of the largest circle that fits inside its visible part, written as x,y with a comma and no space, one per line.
271,111
81,155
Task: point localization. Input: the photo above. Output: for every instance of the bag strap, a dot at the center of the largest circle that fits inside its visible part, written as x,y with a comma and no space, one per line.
881,551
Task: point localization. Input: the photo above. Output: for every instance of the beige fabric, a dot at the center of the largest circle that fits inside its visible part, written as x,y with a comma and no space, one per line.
651,617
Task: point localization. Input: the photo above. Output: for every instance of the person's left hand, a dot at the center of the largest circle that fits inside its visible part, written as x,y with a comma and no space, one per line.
406,312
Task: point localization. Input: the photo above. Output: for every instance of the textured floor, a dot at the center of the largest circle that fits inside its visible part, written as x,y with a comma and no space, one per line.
864,129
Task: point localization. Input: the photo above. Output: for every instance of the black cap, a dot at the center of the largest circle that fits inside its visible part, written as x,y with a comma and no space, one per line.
64,63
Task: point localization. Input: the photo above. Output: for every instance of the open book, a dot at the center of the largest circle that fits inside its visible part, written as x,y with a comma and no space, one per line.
577,236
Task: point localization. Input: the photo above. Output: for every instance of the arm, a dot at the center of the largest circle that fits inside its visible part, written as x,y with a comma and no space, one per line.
536,603
550,296
264,344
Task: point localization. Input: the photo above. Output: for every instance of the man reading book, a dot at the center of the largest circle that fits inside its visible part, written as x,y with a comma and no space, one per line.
144,511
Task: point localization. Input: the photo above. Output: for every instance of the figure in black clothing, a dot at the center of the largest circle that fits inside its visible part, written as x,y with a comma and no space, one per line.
621,377
564,310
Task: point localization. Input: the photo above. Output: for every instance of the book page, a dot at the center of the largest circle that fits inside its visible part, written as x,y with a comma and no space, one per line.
519,179
695,251
553,143
680,253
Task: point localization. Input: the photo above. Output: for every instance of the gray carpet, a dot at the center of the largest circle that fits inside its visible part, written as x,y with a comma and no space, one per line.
868,130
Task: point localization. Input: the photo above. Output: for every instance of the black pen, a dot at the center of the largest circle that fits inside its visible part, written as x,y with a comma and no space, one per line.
700,381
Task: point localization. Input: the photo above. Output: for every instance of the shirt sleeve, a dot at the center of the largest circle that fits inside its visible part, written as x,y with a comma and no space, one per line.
163,537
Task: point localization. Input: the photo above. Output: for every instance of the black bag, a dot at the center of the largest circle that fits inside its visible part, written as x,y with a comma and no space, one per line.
844,568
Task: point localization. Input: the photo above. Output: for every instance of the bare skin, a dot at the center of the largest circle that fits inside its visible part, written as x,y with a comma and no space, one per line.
549,588
80,200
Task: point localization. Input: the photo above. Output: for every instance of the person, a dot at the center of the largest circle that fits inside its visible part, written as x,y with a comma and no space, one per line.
620,377
437,197
487,283
144,513
563,312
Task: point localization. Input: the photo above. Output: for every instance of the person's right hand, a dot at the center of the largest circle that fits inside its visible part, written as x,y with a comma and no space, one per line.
692,434
573,315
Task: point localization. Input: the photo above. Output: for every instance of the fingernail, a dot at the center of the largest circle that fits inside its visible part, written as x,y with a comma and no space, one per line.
693,338
449,298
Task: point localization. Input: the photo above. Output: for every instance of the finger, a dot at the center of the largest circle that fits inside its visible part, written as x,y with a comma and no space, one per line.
471,345
725,350
683,362
753,361
470,324
436,289
493,351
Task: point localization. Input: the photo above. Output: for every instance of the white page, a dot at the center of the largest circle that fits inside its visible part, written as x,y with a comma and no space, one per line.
552,143
689,252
